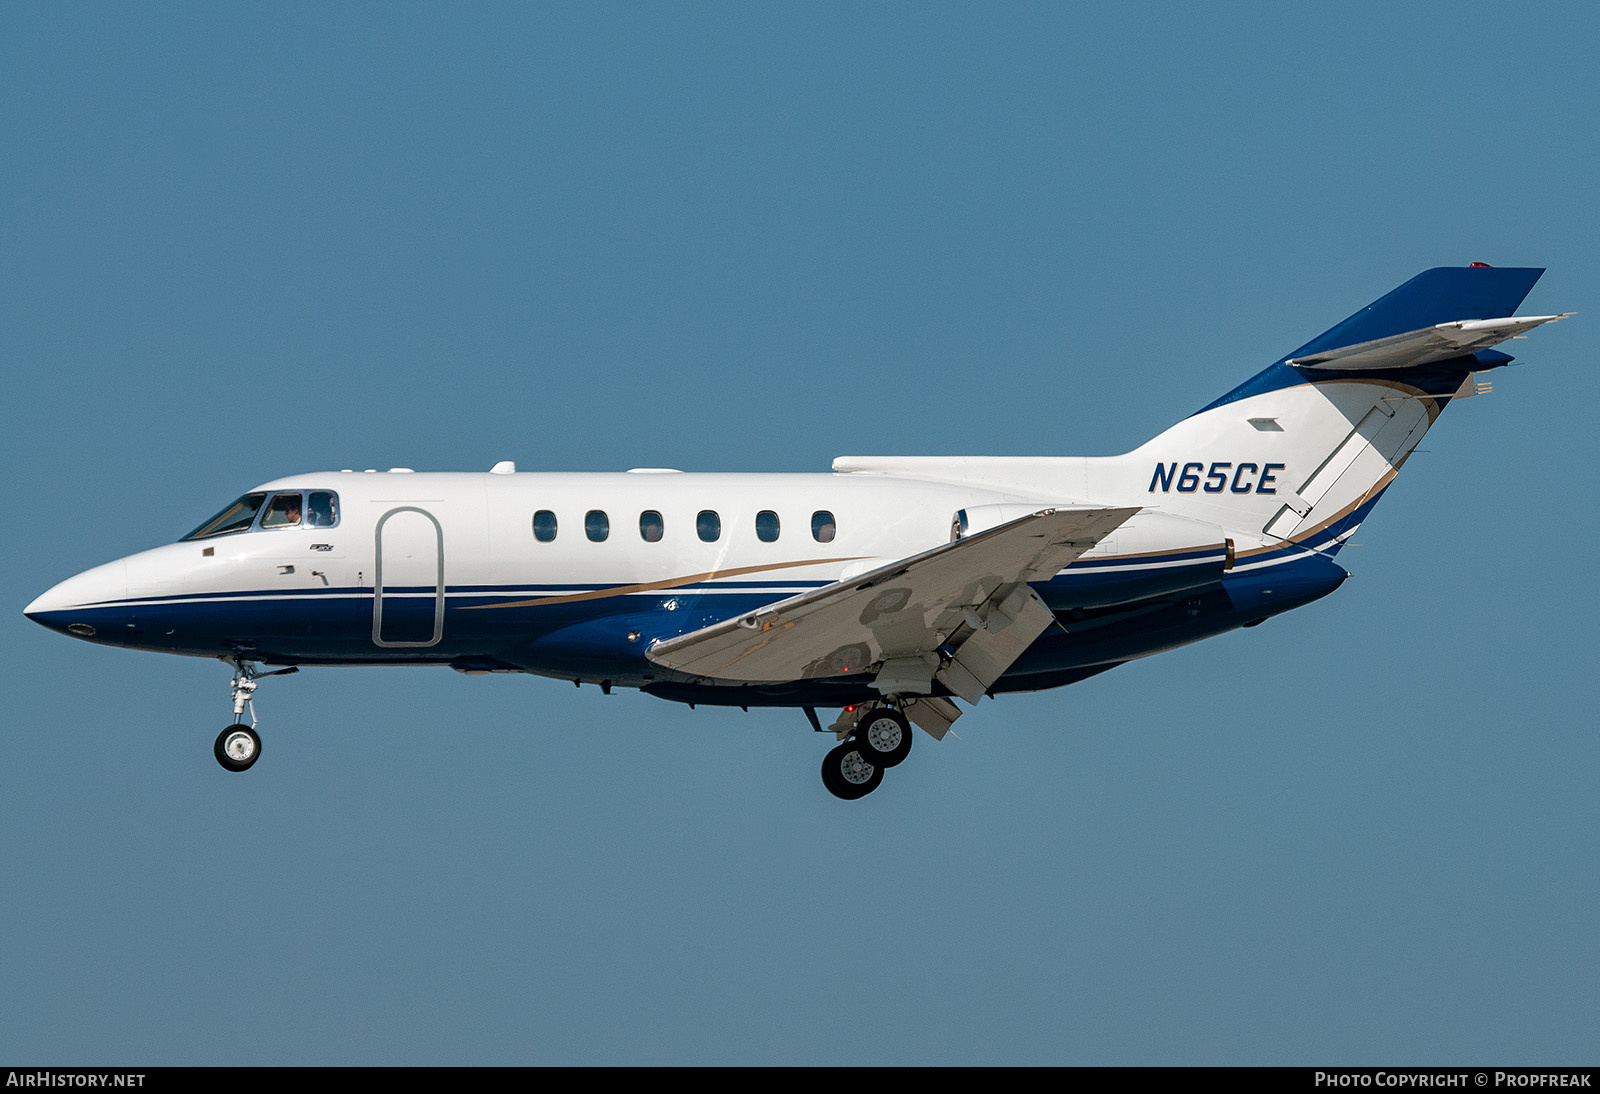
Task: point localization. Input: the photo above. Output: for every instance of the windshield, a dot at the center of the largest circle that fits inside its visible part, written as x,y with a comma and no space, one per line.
235,518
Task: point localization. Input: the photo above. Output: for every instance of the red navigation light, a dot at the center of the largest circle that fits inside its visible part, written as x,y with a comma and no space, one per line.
1480,265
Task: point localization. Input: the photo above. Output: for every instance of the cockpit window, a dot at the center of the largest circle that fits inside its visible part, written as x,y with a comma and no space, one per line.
235,518
322,510
283,511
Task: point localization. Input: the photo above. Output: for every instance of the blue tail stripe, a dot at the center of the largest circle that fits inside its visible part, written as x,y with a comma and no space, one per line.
1440,295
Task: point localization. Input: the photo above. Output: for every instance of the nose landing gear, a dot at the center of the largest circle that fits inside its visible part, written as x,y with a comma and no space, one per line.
239,746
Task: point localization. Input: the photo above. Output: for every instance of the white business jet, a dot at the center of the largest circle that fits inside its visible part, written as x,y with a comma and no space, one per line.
888,590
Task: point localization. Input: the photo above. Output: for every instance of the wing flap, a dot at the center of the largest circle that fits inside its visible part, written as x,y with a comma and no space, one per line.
894,620
1423,347
1007,629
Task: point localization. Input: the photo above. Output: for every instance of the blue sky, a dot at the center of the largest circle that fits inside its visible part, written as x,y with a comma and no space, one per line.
240,242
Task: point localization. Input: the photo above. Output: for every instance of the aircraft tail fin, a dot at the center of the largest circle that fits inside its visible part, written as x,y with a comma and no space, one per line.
1294,457
1300,451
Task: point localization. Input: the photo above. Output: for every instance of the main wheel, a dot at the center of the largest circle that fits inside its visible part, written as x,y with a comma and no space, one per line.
884,737
847,774
238,747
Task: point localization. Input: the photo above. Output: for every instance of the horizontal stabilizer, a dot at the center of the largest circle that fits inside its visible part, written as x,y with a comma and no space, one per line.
914,618
1445,294
1439,342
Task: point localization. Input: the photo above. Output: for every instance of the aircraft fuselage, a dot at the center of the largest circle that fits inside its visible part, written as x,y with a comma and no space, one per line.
431,568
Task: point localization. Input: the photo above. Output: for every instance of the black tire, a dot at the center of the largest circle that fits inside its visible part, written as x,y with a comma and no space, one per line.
847,774
884,737
245,748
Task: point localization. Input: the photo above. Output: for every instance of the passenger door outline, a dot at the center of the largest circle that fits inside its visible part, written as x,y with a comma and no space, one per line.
377,581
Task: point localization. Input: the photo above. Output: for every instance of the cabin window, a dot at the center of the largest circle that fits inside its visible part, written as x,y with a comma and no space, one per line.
651,526
235,518
596,525
544,526
283,511
708,525
322,509
822,527
767,526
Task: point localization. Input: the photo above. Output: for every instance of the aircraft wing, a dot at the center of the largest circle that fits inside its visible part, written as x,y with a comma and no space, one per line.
1423,347
960,613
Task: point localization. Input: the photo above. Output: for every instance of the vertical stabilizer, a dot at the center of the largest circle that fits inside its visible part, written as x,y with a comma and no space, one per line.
1300,453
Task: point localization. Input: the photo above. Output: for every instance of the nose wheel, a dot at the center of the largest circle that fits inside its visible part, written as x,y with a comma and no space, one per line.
239,745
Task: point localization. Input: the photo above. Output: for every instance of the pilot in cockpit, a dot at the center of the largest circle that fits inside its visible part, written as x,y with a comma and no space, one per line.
284,512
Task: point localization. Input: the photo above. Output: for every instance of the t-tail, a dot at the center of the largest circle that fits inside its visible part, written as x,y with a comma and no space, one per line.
1300,452
1294,458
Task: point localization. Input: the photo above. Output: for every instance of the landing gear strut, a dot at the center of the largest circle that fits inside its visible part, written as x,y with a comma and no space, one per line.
239,746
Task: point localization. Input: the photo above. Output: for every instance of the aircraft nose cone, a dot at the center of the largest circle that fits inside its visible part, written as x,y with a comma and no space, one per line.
79,605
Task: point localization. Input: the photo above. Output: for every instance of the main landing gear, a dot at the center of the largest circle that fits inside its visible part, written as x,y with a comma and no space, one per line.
239,746
880,739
